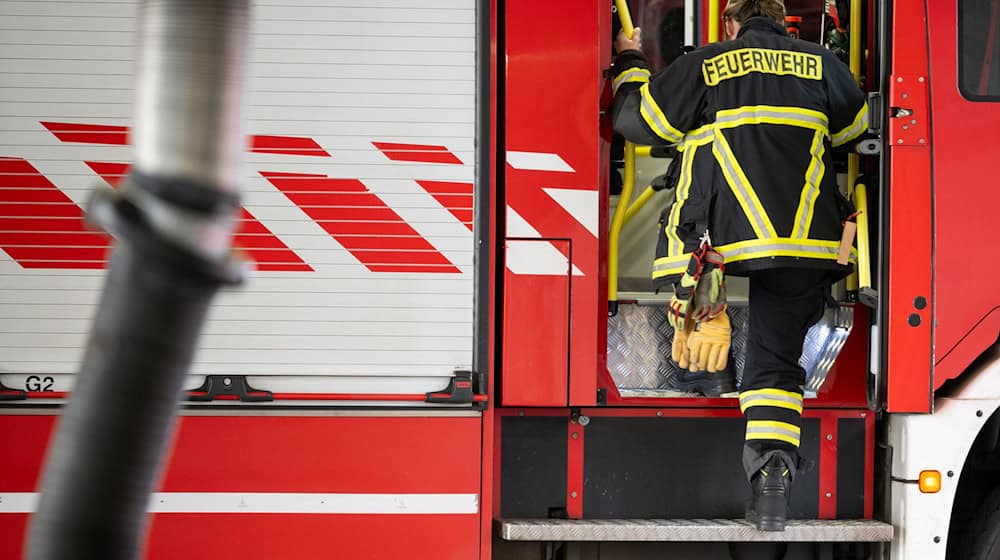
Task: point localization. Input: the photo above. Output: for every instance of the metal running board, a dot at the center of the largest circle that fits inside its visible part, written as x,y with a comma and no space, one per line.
691,530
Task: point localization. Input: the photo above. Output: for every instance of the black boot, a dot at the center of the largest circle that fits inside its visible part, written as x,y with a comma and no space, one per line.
709,384
771,486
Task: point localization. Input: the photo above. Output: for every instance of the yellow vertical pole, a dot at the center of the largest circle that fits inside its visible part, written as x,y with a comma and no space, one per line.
625,17
627,183
713,21
864,257
853,163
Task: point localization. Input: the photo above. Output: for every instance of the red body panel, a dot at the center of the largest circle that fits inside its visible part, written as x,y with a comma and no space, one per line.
553,86
910,233
966,315
826,462
536,335
254,454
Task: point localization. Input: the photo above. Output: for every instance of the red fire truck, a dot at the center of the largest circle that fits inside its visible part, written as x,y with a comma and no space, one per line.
450,348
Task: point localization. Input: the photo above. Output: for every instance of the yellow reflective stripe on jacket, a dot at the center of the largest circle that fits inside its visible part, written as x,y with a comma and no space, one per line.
741,187
853,130
810,191
655,119
630,75
770,429
674,244
769,114
770,397
688,147
757,248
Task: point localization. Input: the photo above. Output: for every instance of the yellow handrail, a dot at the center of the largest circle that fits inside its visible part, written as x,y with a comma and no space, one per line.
624,17
864,256
638,203
628,182
713,21
853,161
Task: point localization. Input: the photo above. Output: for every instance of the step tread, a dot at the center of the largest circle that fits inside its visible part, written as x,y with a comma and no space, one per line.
705,530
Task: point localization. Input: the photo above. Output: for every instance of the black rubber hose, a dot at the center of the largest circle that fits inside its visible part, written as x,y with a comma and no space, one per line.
104,459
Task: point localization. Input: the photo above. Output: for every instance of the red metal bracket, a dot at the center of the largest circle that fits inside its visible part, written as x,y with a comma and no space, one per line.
908,113
574,466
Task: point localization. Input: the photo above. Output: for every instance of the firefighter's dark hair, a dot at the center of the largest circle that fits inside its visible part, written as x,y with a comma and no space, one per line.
742,10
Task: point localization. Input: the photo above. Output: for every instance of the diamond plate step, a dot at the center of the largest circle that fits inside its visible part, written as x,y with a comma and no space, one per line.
691,530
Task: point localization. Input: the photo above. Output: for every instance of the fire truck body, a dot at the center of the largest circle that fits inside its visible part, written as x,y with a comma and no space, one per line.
423,364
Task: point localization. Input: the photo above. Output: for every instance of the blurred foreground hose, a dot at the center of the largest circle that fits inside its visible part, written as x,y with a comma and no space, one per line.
173,220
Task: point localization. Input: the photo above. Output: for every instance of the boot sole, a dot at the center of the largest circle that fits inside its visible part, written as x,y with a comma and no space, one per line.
770,524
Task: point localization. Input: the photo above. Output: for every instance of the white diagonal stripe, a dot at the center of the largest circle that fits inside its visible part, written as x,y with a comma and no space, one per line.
539,258
581,204
262,502
537,161
532,257
517,226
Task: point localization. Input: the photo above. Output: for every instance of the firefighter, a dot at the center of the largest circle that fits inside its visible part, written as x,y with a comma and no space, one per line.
755,119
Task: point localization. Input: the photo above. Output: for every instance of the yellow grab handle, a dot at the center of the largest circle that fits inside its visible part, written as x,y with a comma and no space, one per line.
628,183
625,17
638,203
864,251
854,41
861,278
713,21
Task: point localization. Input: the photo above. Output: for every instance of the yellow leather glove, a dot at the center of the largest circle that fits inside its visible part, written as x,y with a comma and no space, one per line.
679,350
708,344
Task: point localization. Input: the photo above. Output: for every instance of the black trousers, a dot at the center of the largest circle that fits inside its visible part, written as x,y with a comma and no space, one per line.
784,303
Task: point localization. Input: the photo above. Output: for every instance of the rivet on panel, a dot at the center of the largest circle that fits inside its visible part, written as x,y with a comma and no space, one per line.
575,435
922,141
829,437
899,79
920,79
572,494
659,414
829,495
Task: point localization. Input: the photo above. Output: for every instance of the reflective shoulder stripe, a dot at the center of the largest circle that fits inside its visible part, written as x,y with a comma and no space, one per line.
655,118
810,190
742,188
853,130
630,75
769,114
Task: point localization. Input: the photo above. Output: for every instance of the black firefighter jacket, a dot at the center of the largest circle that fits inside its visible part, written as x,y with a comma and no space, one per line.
754,120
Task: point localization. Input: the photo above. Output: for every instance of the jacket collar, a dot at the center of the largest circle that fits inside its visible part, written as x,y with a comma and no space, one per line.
763,24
